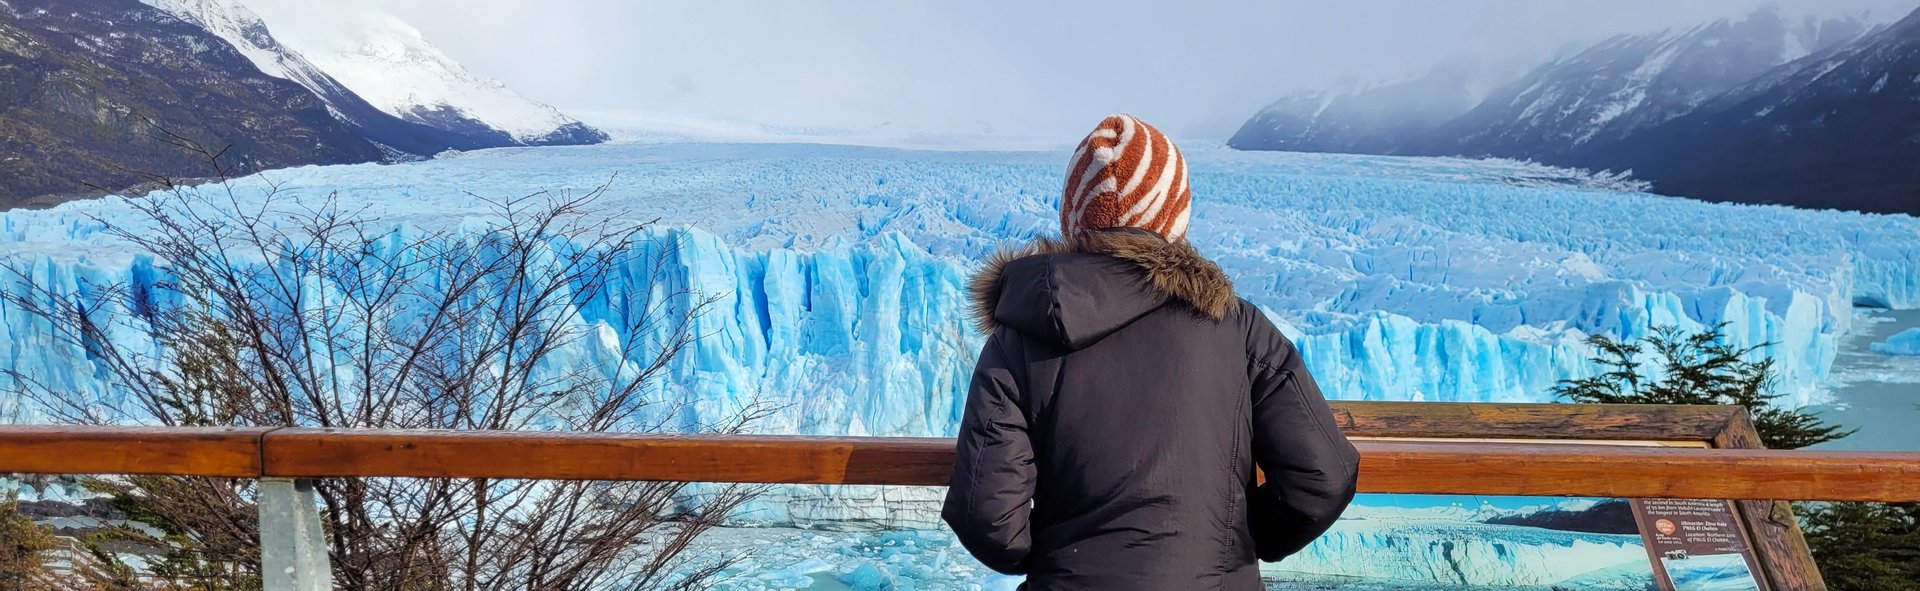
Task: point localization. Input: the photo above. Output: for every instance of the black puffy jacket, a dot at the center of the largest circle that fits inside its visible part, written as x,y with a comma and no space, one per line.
1117,413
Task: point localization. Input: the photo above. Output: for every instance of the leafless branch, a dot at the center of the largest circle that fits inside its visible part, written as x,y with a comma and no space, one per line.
276,310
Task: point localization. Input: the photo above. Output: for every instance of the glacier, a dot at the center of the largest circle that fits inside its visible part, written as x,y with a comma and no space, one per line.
840,268
1438,541
387,63
1462,553
839,275
1359,553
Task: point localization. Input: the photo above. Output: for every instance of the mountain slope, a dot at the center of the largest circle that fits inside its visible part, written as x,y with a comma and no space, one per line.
392,66
391,85
1627,84
1814,113
243,29
1381,120
1839,129
89,90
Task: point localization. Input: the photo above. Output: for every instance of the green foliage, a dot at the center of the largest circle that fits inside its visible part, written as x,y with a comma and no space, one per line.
1858,546
210,560
22,543
202,389
1865,546
27,547
107,572
1699,368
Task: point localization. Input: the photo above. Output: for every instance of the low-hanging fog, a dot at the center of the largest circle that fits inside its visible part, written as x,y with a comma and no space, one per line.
997,67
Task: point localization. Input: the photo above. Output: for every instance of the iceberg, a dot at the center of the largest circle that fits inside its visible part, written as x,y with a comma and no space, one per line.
1904,343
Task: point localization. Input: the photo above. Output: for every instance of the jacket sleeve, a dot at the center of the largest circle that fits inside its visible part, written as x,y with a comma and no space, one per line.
990,494
1310,466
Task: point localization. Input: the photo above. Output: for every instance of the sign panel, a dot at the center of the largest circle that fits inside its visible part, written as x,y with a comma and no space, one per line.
1697,545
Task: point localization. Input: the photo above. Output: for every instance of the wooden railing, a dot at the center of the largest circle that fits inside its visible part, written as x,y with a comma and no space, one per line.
1433,448
1386,466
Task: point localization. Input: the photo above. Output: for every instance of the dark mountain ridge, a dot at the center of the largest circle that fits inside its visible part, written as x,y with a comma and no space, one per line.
1838,129
396,135
1627,84
99,96
91,91
1814,113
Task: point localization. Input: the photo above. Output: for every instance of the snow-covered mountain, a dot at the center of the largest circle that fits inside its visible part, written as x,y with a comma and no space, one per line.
244,30
100,95
1630,83
1355,118
1763,109
1836,129
387,80
1606,92
392,65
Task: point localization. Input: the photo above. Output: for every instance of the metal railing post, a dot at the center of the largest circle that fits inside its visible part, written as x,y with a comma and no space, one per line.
293,551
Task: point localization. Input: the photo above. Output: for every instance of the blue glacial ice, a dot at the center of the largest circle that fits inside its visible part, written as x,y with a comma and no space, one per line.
1906,342
1721,572
840,268
1443,547
1410,553
1462,554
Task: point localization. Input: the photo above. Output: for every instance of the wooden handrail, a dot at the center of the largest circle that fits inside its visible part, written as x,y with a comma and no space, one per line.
1508,420
1637,472
1433,467
182,451
602,456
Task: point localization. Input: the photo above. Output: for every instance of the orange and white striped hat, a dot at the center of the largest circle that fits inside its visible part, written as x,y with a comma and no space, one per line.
1126,174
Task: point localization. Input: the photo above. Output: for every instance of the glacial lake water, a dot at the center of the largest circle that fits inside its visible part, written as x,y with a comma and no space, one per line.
1878,394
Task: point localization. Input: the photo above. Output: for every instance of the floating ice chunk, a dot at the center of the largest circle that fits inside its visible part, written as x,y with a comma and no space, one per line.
1905,343
868,577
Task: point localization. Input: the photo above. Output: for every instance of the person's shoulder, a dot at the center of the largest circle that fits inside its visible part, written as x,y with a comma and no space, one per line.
1265,342
1247,315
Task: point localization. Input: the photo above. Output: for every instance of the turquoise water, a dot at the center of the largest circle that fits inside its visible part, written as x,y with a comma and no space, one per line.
1878,394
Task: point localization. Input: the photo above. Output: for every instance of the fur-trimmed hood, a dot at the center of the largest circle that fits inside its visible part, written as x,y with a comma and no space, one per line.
1074,292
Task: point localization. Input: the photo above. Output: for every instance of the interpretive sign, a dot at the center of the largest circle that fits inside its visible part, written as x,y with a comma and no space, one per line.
1697,545
1775,555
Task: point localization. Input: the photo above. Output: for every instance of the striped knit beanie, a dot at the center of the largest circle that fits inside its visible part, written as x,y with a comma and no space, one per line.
1126,174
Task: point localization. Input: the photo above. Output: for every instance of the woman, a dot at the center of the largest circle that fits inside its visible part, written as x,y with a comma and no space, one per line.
1125,396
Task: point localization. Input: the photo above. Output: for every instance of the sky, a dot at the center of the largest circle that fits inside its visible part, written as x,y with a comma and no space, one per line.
1195,69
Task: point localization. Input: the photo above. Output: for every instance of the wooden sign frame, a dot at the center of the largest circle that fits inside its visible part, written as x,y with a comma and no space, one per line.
1771,526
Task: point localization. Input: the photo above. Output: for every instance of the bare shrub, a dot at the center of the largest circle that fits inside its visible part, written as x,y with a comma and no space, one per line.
278,310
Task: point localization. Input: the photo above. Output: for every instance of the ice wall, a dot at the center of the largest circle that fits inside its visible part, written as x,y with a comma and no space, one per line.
1465,556
1461,553
866,339
871,338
